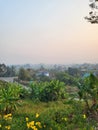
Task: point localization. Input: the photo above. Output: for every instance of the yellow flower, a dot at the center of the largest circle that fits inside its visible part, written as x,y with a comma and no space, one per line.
8,116
31,123
84,116
0,125
27,119
8,127
37,115
34,128
39,124
28,125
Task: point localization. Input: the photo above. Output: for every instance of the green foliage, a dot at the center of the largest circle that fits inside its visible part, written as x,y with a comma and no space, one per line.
7,71
88,90
3,84
24,74
43,78
65,114
70,117
11,71
48,91
73,71
58,117
25,93
5,121
3,69
9,97
66,78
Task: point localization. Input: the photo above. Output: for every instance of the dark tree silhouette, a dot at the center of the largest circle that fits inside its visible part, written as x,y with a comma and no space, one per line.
3,69
93,13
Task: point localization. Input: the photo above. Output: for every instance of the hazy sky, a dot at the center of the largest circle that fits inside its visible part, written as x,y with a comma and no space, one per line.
47,31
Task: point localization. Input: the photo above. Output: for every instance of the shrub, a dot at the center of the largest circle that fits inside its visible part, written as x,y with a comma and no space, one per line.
88,91
9,97
48,91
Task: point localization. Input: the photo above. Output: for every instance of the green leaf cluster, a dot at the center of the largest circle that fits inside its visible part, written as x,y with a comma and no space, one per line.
9,97
88,91
48,91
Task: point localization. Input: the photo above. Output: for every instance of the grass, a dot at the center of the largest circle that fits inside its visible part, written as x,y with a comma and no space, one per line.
56,115
51,113
29,107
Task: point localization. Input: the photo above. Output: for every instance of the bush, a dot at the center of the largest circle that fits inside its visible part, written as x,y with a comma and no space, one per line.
88,91
9,97
48,91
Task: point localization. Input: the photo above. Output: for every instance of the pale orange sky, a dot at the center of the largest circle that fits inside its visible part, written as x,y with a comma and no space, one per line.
52,31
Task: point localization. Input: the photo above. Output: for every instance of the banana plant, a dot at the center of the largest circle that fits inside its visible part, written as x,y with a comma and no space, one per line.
48,91
88,91
9,97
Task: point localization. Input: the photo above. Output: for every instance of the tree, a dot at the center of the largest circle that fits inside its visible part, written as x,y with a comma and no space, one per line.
3,69
7,71
93,14
10,72
66,78
73,71
88,90
23,74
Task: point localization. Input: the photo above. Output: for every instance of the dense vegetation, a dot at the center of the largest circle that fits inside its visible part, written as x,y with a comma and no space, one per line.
50,106
48,91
